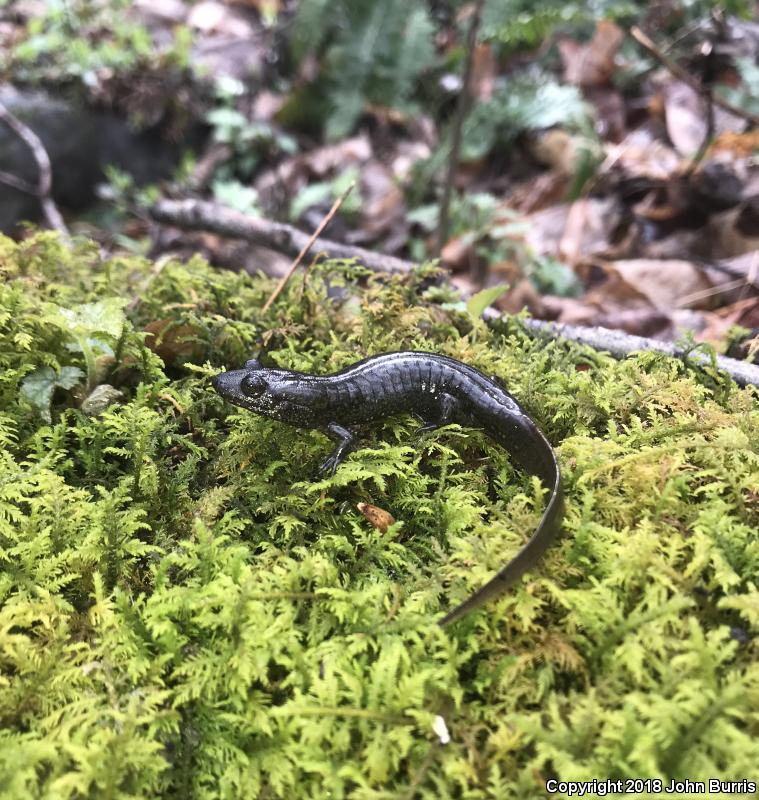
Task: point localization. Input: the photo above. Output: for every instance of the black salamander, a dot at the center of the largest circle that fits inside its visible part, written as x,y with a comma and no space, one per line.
436,388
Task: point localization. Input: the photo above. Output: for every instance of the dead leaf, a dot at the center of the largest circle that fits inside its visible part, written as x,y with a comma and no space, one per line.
337,157
538,192
267,105
459,253
744,313
172,341
382,203
641,154
589,224
735,232
523,295
558,149
742,145
544,229
407,155
610,112
378,517
173,12
686,117
663,284
597,309
746,265
212,17
293,174
592,64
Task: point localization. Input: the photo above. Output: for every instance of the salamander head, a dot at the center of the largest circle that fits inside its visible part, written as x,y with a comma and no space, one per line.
275,393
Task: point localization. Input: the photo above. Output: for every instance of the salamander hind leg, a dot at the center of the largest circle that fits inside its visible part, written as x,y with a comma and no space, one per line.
446,413
346,441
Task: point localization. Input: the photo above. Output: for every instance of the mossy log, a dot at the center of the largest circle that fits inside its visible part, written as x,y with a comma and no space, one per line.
185,611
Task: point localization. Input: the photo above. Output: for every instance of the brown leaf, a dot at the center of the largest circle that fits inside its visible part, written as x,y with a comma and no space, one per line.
686,117
459,253
744,312
337,157
592,64
382,203
538,192
267,105
407,155
557,149
742,145
610,112
735,232
637,321
523,295
641,154
173,342
589,224
293,174
663,284
378,518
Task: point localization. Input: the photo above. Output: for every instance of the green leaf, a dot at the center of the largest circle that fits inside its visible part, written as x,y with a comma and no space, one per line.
477,303
521,105
237,196
105,316
227,122
38,386
425,216
745,95
552,277
307,197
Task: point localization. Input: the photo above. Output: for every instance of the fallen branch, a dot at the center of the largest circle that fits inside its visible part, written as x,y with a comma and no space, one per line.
202,215
306,247
620,345
675,69
197,214
43,191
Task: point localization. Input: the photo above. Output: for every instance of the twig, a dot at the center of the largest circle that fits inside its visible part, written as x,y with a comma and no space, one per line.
676,70
421,773
698,156
206,166
462,109
18,183
306,247
45,179
202,215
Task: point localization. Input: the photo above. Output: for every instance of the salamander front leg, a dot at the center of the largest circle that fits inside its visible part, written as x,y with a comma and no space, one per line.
346,441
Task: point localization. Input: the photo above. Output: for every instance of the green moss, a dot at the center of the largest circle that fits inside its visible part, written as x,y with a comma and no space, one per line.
186,612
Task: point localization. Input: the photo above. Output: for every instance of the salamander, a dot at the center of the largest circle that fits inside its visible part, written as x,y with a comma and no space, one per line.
437,389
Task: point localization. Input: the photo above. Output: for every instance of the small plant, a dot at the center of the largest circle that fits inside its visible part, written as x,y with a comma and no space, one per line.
80,40
496,234
250,142
328,191
374,52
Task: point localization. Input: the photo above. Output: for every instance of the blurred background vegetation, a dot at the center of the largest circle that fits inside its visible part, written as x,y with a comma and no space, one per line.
589,165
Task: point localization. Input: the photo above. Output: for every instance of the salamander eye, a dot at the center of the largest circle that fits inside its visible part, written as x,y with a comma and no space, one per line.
253,385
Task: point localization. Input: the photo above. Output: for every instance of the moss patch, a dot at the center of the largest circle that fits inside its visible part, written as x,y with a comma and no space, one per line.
185,611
